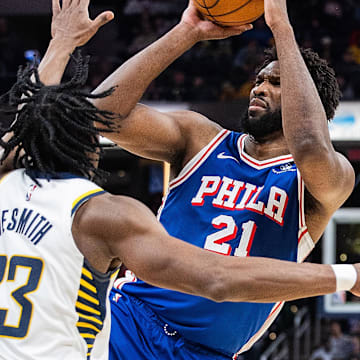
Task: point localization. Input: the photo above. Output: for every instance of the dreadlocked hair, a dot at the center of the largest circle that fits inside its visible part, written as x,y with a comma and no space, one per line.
322,74
55,130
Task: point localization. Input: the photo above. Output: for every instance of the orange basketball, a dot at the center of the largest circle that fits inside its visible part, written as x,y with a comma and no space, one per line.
231,12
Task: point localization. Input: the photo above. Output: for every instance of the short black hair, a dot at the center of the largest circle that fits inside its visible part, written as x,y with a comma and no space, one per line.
55,129
322,74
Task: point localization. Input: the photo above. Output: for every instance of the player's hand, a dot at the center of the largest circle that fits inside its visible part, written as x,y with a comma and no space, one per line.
71,22
276,13
356,289
206,30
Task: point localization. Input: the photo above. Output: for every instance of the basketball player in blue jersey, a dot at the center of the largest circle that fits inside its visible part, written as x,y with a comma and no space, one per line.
62,237
269,191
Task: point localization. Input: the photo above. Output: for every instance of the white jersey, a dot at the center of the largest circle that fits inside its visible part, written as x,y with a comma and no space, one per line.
52,304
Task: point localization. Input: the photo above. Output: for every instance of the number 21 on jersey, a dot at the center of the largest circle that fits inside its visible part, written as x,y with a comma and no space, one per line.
217,242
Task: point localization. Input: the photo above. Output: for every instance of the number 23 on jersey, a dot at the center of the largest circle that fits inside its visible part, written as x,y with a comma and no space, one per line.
24,285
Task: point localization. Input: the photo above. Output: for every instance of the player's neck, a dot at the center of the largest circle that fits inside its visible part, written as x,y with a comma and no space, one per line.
270,147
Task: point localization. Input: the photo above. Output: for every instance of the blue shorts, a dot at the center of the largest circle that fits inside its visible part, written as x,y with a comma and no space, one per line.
137,333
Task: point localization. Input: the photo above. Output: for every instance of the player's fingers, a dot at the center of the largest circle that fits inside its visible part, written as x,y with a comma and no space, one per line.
239,29
245,27
55,7
66,4
83,3
103,19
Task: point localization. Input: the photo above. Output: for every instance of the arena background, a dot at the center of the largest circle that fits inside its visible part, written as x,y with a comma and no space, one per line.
214,78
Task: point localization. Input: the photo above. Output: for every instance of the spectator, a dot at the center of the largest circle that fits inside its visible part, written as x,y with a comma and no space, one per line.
323,352
341,344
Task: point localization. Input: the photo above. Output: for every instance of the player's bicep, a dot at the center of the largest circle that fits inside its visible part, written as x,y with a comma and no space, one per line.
110,227
159,259
139,239
150,133
165,136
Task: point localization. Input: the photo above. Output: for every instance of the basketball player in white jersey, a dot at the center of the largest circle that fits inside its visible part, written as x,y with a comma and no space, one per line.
62,237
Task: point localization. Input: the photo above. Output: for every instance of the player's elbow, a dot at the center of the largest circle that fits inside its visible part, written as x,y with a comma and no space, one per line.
218,295
232,281
222,287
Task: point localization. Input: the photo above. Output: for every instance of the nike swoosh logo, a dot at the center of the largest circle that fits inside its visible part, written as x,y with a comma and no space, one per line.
223,156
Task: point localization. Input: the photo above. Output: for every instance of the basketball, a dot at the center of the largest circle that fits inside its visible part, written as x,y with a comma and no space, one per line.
231,12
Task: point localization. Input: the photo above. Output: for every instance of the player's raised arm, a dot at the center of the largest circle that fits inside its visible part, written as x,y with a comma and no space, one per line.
145,247
328,176
141,125
71,27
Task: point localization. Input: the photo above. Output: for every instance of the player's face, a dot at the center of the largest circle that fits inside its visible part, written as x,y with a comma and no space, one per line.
264,112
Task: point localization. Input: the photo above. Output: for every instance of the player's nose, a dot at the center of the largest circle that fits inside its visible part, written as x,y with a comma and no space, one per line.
261,90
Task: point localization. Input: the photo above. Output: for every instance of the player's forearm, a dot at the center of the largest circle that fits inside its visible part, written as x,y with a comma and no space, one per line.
269,280
55,60
305,126
177,266
135,75
304,118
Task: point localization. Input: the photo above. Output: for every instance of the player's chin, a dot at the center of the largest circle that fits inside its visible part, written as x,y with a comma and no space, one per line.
255,112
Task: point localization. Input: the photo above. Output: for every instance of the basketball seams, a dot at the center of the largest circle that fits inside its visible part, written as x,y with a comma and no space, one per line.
205,6
209,15
245,11
234,10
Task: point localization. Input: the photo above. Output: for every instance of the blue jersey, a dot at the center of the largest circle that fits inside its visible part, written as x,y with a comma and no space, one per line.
227,202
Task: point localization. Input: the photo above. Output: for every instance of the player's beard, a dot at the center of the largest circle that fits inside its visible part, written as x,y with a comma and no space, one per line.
260,127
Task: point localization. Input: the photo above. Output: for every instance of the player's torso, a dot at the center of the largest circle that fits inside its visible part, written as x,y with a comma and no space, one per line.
227,202
53,305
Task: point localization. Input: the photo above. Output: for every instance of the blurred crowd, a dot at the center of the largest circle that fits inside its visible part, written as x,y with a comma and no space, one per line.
340,341
212,70
224,70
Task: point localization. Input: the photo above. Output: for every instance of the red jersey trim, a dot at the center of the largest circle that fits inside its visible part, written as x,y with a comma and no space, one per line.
260,164
198,159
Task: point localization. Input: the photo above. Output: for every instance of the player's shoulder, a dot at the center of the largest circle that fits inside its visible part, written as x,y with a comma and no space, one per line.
198,130
108,209
196,122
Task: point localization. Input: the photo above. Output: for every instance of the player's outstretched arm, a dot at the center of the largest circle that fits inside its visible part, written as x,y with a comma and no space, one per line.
109,229
140,125
71,27
328,176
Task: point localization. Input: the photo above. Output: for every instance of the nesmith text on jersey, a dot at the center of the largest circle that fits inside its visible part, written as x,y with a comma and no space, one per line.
226,193
27,222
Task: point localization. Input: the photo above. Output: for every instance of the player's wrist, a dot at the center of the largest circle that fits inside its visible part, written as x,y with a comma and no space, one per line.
63,45
346,276
282,28
192,32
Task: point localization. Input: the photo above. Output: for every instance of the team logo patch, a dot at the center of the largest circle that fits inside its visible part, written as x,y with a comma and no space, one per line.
284,168
31,190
